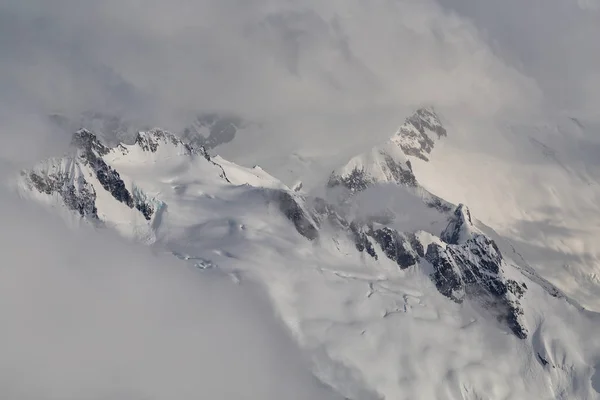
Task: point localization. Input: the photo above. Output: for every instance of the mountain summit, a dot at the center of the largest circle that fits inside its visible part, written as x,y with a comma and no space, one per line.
391,290
390,162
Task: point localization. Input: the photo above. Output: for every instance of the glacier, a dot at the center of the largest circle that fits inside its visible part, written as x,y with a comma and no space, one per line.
393,291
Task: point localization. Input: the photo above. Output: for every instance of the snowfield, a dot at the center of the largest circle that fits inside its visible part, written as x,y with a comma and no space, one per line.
393,289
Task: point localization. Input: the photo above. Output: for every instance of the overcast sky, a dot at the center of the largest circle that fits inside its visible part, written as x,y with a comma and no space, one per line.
316,70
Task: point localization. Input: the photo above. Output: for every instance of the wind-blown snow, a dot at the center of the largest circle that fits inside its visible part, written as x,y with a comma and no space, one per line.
537,184
87,315
371,329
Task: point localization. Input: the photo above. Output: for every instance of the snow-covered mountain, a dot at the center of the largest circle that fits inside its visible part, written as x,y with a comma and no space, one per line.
390,162
393,291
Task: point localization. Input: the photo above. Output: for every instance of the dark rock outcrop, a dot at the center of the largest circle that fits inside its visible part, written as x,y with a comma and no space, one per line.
91,153
471,267
78,195
71,185
412,136
383,164
396,246
467,265
401,174
459,227
151,140
361,240
293,211
356,181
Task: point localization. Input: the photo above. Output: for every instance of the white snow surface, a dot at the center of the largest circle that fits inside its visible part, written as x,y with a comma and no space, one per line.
537,184
534,179
375,163
372,331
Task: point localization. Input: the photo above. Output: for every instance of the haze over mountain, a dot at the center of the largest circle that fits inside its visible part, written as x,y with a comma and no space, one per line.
300,199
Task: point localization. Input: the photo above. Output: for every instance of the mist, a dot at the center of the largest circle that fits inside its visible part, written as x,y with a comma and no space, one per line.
311,74
309,69
88,316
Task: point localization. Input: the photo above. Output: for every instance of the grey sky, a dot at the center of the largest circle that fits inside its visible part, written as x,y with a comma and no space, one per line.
313,70
87,316
259,57
552,41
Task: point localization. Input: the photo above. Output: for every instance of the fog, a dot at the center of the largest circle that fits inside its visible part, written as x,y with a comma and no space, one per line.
551,41
87,316
311,73
311,69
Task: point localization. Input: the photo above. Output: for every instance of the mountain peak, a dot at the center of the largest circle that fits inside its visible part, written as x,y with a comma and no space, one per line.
460,228
379,165
427,118
151,140
87,141
415,136
390,162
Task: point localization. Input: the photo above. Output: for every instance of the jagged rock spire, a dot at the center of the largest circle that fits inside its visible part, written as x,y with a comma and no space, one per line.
460,228
390,162
87,141
415,136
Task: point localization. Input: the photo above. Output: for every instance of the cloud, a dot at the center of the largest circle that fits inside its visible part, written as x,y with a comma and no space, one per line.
87,316
313,74
551,41
263,58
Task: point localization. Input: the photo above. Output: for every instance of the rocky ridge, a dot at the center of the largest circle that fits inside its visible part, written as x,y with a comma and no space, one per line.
465,264
72,177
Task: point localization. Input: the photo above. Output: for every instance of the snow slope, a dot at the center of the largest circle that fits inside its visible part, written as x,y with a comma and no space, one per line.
403,299
390,161
537,184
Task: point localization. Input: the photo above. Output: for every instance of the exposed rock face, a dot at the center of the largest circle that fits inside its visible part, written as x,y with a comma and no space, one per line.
467,265
356,181
91,153
152,139
400,173
377,167
471,266
69,178
89,144
459,229
390,163
395,245
414,136
293,211
446,276
362,240
78,195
